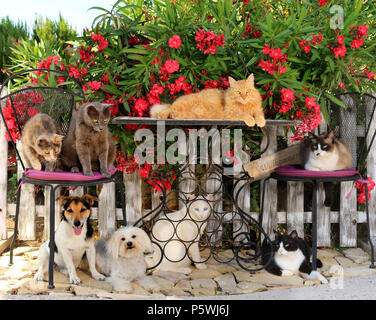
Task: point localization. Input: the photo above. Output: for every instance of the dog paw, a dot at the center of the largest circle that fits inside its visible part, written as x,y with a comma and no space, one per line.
98,276
200,266
39,276
74,280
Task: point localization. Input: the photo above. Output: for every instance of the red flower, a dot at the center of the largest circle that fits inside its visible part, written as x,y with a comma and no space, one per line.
356,43
340,51
174,42
94,85
288,95
170,66
323,2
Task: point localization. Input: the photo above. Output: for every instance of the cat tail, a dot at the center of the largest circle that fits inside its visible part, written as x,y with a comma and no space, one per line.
156,109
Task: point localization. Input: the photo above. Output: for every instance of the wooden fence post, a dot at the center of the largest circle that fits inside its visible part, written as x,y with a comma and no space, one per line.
3,174
133,196
26,222
46,230
270,198
107,210
295,203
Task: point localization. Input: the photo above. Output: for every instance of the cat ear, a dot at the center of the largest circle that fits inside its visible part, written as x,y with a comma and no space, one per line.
293,235
311,135
331,135
276,233
231,81
90,199
191,197
106,105
57,138
42,142
251,80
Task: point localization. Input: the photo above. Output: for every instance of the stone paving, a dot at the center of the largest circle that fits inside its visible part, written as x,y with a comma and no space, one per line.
217,279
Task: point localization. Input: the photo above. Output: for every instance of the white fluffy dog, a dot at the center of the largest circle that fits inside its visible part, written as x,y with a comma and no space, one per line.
122,260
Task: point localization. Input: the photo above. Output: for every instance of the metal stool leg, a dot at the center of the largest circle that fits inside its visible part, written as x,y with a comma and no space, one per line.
372,266
262,204
314,225
52,239
15,233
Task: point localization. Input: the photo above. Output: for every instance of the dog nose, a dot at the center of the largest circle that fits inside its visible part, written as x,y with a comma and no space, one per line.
129,244
77,223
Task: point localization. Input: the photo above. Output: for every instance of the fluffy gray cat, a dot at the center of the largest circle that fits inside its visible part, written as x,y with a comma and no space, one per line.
89,144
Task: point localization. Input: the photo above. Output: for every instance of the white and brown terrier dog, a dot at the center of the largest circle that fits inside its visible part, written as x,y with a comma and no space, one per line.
122,259
73,238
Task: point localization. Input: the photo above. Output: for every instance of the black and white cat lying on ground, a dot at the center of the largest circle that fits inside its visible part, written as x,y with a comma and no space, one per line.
290,255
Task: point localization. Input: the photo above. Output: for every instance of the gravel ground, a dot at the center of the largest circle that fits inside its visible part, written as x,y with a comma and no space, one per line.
356,288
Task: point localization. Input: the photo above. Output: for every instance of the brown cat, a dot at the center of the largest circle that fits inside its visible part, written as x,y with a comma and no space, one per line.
89,144
41,141
241,101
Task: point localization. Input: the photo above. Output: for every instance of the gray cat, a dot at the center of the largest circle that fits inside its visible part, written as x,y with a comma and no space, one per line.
89,144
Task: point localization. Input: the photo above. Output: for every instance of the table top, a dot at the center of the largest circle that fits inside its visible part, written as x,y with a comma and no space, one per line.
193,122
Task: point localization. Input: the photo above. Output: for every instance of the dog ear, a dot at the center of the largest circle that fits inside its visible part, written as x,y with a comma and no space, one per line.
63,200
146,243
90,199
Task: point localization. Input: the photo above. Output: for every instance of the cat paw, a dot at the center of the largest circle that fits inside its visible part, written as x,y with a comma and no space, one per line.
88,173
105,173
75,170
37,166
261,123
286,273
250,122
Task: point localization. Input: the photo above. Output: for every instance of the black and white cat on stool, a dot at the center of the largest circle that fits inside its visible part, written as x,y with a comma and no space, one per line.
290,256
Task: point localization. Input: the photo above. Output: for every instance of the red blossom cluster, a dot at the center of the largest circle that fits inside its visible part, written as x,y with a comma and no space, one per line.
249,30
360,185
169,67
311,120
358,34
306,45
340,50
23,107
174,42
276,64
208,41
323,2
100,40
288,97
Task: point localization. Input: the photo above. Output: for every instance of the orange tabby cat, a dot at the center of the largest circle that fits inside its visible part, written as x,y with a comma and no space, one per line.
241,101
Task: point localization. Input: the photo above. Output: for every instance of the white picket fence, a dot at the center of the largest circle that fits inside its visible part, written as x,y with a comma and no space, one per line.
295,217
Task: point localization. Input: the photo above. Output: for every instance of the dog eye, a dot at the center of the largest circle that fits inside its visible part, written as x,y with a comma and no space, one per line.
133,236
70,210
122,239
82,210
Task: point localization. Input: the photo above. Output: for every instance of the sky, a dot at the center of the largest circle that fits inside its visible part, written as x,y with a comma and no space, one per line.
74,11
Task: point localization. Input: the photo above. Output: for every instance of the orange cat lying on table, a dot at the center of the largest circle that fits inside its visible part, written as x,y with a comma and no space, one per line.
241,101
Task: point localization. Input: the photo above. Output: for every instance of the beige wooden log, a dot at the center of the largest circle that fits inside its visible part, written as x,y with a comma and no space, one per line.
270,198
133,196
26,221
348,207
107,210
3,174
263,167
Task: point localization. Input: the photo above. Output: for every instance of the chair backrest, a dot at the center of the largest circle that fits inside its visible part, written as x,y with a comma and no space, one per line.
31,99
355,123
